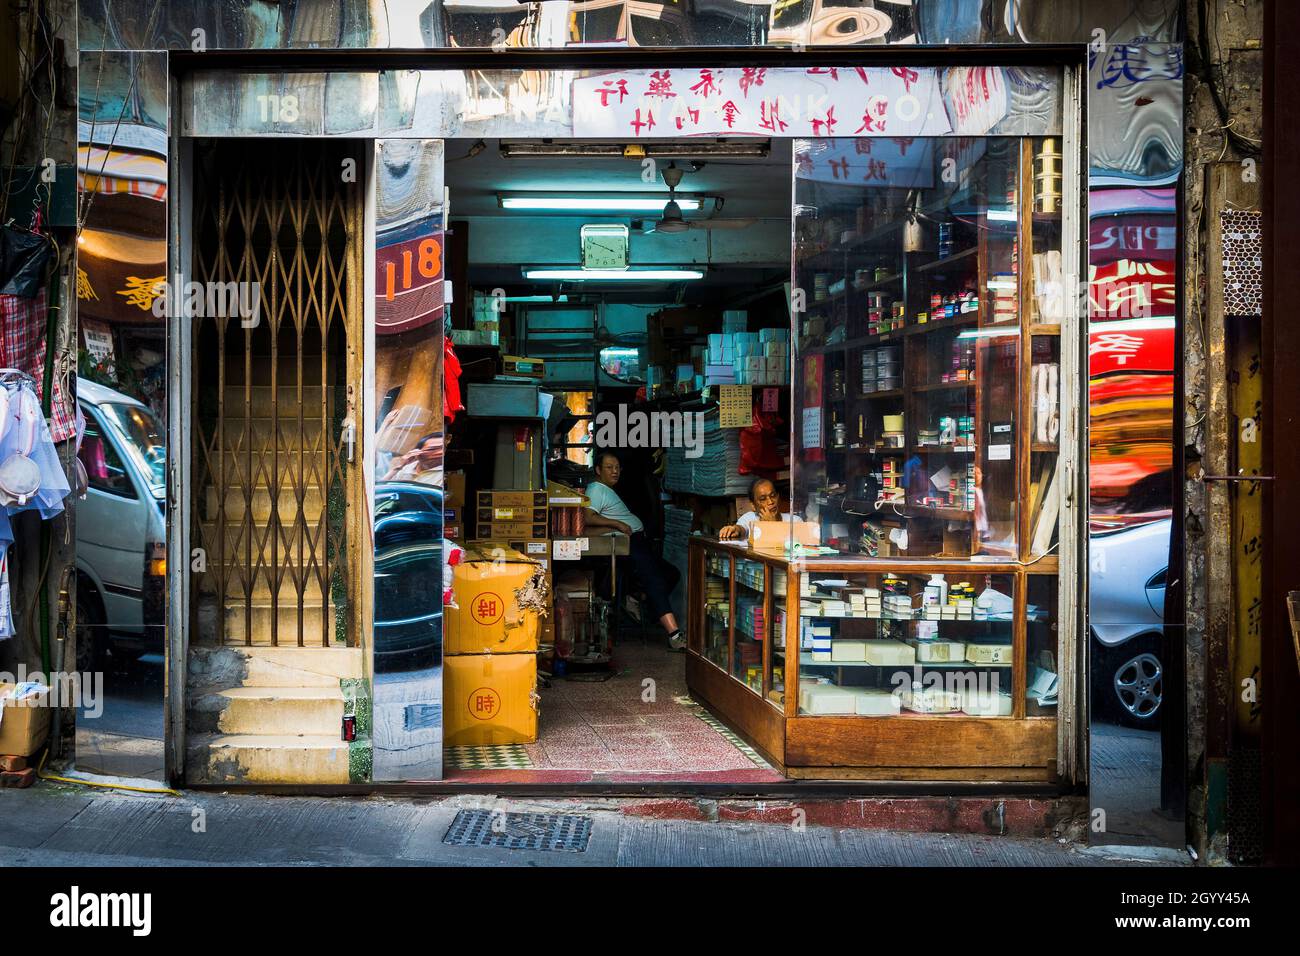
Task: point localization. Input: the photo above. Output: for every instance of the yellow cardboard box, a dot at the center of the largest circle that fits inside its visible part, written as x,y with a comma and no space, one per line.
487,618
24,724
489,699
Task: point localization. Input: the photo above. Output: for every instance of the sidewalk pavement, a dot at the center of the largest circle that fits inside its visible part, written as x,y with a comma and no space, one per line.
55,824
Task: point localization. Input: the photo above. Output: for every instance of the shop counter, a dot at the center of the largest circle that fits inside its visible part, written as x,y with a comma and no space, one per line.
865,668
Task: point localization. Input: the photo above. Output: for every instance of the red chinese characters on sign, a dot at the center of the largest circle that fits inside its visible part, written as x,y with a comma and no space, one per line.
873,117
769,116
1131,289
831,71
751,76
1149,348
706,86
907,76
729,113
661,84
638,124
487,608
839,168
826,126
484,703
692,115
609,88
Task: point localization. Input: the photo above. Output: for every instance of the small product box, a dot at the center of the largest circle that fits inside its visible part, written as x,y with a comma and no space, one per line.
988,653
24,718
850,652
939,652
888,653
986,703
930,700
877,703
823,700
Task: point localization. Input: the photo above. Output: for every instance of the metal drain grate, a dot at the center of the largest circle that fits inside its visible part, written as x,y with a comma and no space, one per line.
562,832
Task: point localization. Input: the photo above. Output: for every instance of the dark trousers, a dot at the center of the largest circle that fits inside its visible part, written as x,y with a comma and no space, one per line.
656,577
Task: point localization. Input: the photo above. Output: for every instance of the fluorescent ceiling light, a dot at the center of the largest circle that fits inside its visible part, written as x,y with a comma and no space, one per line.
595,202
535,298
606,275
1002,215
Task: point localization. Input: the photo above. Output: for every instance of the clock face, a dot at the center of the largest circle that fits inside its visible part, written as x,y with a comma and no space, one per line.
604,246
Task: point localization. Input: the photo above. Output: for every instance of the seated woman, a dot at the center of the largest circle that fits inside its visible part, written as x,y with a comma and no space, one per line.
655,575
767,502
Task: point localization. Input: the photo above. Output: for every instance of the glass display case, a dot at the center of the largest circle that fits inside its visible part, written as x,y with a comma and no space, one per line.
907,625
927,345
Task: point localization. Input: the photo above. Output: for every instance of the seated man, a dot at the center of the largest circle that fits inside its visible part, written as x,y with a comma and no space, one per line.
767,500
656,576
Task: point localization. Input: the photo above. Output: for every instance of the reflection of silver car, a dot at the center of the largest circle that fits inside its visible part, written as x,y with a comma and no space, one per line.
121,530
1127,619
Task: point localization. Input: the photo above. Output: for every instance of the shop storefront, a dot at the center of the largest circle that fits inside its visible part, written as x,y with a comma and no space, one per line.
965,376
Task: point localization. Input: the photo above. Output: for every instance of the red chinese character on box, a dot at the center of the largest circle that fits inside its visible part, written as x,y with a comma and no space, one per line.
484,703
610,87
769,116
825,127
661,84
751,76
706,85
729,113
907,76
648,123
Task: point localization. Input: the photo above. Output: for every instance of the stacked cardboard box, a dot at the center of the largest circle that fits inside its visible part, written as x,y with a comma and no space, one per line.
511,515
24,725
490,650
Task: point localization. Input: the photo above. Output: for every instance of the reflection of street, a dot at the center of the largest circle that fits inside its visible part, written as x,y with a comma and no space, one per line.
126,739
408,725
1126,784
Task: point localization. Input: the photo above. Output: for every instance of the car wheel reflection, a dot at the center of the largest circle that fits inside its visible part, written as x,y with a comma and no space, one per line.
408,577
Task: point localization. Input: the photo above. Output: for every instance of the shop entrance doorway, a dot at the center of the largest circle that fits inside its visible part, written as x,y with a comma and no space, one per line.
276,498
602,269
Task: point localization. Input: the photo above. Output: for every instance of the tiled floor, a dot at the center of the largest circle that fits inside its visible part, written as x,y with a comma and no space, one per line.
632,722
639,722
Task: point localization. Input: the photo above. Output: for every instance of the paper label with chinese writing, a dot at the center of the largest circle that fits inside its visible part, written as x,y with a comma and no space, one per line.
735,406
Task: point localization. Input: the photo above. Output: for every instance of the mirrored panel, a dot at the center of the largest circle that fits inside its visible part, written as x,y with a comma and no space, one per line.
408,459
122,304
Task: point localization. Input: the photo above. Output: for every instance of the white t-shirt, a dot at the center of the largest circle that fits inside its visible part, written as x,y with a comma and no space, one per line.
750,518
606,503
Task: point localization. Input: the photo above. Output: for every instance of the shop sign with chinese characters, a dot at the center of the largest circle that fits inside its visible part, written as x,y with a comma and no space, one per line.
761,101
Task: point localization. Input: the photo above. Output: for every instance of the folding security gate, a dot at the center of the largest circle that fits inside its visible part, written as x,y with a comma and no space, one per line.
275,391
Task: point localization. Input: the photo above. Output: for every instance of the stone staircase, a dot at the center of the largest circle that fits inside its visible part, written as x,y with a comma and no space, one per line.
275,715
262,709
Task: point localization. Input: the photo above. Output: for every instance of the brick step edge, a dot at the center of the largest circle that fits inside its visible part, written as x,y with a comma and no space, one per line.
12,764
992,816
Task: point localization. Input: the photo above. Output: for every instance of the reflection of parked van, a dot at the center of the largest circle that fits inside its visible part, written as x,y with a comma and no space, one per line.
121,532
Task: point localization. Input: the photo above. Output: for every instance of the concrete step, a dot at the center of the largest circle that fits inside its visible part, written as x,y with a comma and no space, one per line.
286,616
267,758
283,711
257,401
217,668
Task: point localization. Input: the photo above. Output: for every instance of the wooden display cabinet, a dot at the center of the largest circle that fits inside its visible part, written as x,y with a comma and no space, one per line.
741,665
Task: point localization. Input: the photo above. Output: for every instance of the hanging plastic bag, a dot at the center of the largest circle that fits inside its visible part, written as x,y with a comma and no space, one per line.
23,256
20,477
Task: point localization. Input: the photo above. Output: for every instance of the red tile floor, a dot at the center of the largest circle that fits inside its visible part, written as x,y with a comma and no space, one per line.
635,726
